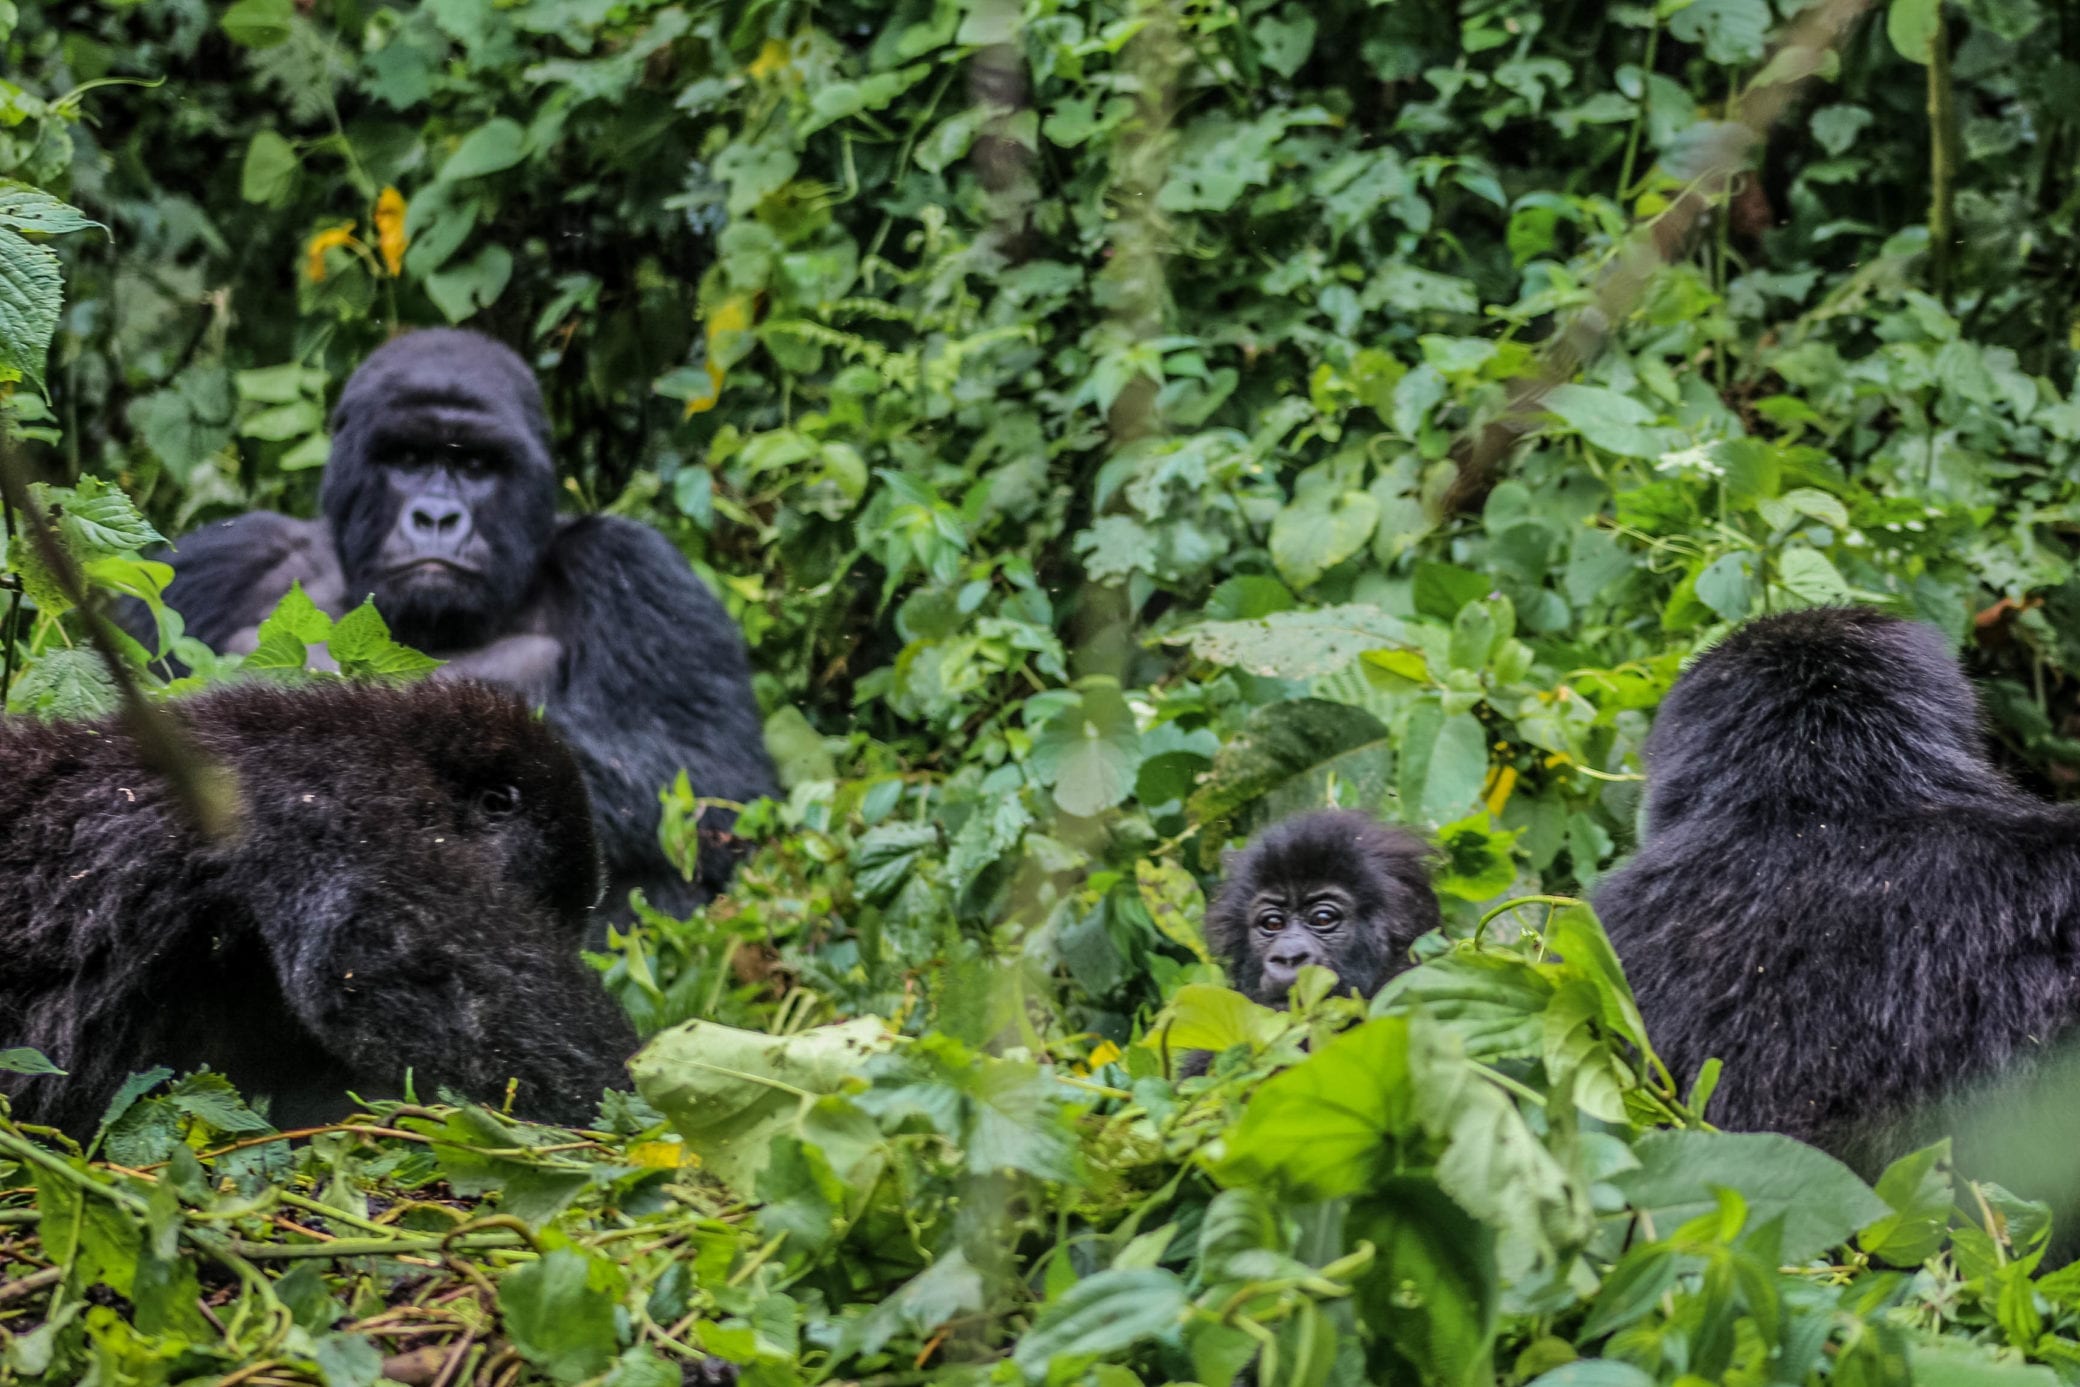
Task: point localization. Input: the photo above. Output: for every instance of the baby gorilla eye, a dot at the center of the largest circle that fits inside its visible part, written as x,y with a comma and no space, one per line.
500,803
1271,922
1324,916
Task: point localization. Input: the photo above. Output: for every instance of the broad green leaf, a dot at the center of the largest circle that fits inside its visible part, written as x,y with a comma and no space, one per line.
22,1060
1727,586
26,208
560,1311
1444,762
492,147
1204,1017
1921,1194
1492,1002
270,169
100,520
1952,1363
1430,1296
730,1091
1294,645
1820,1201
1325,1127
64,684
1174,904
1313,535
1613,422
460,290
1731,31
1808,574
360,642
1090,753
1912,26
284,422
1102,1314
30,292
1281,761
259,23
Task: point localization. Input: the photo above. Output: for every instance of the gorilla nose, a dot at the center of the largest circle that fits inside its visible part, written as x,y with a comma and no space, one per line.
438,520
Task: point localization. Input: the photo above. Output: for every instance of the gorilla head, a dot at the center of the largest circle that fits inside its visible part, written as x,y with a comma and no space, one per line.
1337,889
441,492
1811,711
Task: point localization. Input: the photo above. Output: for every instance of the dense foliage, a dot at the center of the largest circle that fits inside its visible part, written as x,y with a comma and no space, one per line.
1064,395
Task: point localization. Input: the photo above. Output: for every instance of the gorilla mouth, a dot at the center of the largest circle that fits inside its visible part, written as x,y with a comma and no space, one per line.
432,568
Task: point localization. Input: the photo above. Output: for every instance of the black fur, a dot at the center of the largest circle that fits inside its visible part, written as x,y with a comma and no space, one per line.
439,500
1374,879
1838,896
419,903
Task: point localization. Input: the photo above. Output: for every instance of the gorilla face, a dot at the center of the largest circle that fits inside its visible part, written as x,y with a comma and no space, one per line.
1336,889
440,491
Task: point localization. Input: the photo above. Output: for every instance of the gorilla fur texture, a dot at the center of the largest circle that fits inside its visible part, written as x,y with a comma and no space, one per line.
1837,895
1335,888
439,501
408,889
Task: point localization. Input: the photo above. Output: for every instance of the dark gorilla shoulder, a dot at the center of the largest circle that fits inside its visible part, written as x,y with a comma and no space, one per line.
409,889
1839,896
439,501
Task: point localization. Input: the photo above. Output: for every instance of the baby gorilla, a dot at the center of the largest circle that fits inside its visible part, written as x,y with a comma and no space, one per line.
408,889
1838,896
1334,888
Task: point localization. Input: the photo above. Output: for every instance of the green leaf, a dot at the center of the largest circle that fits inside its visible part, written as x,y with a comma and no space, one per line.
1727,585
1493,1002
26,208
1430,1296
1204,1017
1912,26
284,422
492,147
360,642
271,166
1174,904
30,294
1325,1127
259,23
1921,1194
1313,535
460,290
1444,762
797,748
23,1060
730,1091
100,520
1808,574
64,684
1951,1363
1102,1314
1281,761
1294,645
1819,1200
1615,423
1285,39
559,1310
1732,31
1089,753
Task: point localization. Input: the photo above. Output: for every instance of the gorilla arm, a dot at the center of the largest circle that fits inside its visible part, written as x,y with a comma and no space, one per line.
229,575
656,680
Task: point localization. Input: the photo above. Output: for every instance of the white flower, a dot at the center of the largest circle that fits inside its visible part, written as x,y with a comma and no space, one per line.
1699,460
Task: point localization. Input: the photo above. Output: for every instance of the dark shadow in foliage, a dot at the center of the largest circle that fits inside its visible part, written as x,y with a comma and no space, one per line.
409,889
440,502
1335,889
1838,896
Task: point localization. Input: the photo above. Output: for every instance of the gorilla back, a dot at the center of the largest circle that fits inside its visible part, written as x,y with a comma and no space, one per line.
1836,893
408,889
439,501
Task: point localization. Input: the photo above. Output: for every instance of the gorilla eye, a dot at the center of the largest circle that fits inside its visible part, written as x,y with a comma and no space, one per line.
500,803
1324,916
1271,922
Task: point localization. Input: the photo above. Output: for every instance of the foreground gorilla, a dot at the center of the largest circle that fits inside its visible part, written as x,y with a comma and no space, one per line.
440,501
409,889
1838,896
1336,889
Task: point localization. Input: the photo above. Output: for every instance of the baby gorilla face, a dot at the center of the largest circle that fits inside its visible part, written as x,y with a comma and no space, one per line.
1293,924
1335,889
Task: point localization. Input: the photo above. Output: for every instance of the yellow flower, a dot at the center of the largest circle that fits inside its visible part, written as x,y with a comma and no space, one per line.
314,262
390,237
771,59
1500,785
731,316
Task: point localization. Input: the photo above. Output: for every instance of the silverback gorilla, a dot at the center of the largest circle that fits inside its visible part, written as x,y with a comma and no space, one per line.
1839,896
440,501
418,904
1335,888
